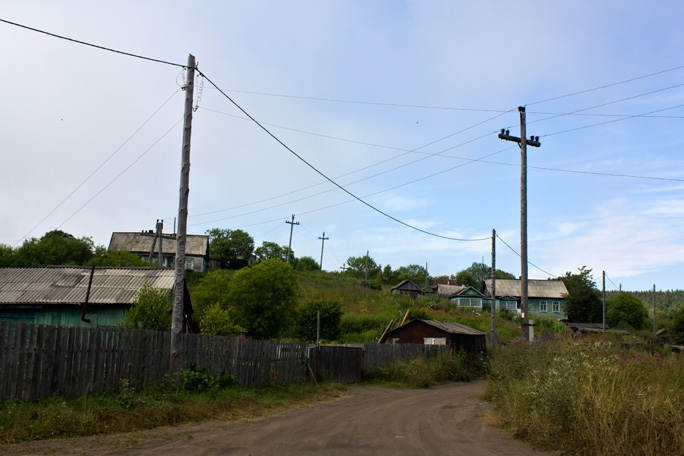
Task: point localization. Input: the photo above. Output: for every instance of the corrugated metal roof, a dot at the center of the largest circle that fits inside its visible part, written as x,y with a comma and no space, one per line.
69,285
535,288
448,290
195,244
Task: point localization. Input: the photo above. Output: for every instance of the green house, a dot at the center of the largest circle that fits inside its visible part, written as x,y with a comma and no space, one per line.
467,297
545,298
74,295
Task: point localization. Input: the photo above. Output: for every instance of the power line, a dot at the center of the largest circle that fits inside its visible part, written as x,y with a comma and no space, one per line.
606,86
93,45
528,262
96,169
449,108
611,281
329,179
122,172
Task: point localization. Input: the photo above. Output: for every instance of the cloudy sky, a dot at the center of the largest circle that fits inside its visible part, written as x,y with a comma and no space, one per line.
399,102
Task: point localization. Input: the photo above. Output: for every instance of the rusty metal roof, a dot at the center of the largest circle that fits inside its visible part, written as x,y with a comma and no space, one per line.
536,288
69,285
195,244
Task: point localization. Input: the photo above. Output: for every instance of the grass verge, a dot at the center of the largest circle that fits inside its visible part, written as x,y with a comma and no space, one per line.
158,405
590,396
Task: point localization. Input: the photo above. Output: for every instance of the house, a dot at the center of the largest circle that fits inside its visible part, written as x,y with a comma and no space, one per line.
545,298
431,332
446,287
76,295
407,287
467,297
196,248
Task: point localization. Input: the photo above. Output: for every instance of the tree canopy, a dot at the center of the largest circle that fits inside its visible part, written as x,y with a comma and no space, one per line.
306,263
626,309
676,327
262,298
271,250
583,303
234,248
307,320
54,248
356,267
151,309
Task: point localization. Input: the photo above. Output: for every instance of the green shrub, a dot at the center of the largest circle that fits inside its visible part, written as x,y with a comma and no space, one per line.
307,320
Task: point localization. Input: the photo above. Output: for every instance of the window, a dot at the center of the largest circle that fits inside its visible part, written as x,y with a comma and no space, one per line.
476,302
542,306
434,340
510,305
463,302
189,263
555,306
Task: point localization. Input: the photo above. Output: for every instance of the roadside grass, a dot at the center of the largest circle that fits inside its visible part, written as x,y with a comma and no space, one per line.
595,395
162,404
426,372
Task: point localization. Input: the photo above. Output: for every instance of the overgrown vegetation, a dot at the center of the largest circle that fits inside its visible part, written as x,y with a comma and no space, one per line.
595,395
426,372
191,397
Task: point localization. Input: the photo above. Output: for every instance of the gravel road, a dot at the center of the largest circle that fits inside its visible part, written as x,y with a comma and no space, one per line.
443,420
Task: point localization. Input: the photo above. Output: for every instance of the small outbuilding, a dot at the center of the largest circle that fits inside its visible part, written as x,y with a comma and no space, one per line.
431,332
407,287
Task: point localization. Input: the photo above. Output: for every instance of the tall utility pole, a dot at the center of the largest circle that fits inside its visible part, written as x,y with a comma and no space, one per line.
160,233
654,331
523,142
289,247
179,273
154,241
604,301
495,336
323,239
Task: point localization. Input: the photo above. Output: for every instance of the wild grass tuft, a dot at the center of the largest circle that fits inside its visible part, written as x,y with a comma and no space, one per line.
590,396
426,372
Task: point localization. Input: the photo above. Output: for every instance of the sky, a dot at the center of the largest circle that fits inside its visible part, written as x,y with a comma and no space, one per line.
397,102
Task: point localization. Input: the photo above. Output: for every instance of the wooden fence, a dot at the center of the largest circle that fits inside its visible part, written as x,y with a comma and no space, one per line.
37,361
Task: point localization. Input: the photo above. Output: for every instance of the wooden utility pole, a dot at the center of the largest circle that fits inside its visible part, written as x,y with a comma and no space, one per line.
289,247
523,142
654,331
323,239
604,301
160,233
495,336
179,273
154,241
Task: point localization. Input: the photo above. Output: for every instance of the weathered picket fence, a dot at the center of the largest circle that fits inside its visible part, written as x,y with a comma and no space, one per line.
37,361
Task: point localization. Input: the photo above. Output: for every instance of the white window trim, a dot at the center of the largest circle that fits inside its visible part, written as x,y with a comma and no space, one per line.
543,306
555,306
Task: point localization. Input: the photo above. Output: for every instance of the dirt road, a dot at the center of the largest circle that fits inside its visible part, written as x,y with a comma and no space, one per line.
444,420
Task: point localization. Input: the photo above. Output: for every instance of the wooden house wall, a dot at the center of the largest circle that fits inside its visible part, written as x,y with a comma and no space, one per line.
61,315
416,334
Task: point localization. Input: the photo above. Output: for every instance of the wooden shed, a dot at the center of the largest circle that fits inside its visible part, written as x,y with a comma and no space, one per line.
454,335
409,288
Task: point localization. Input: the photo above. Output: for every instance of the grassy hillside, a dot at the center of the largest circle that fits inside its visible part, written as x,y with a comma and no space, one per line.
366,312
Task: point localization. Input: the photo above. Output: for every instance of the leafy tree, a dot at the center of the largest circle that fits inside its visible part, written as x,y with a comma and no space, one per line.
271,250
212,289
480,272
413,272
465,277
626,308
234,248
583,302
6,256
120,258
306,263
356,267
388,276
676,327
331,314
217,320
263,298
54,248
151,309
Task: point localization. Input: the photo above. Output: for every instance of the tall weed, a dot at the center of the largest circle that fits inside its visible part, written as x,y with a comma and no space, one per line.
591,396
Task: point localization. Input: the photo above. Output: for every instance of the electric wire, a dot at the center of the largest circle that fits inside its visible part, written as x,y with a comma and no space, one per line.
96,169
528,262
92,45
611,281
268,132
122,172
